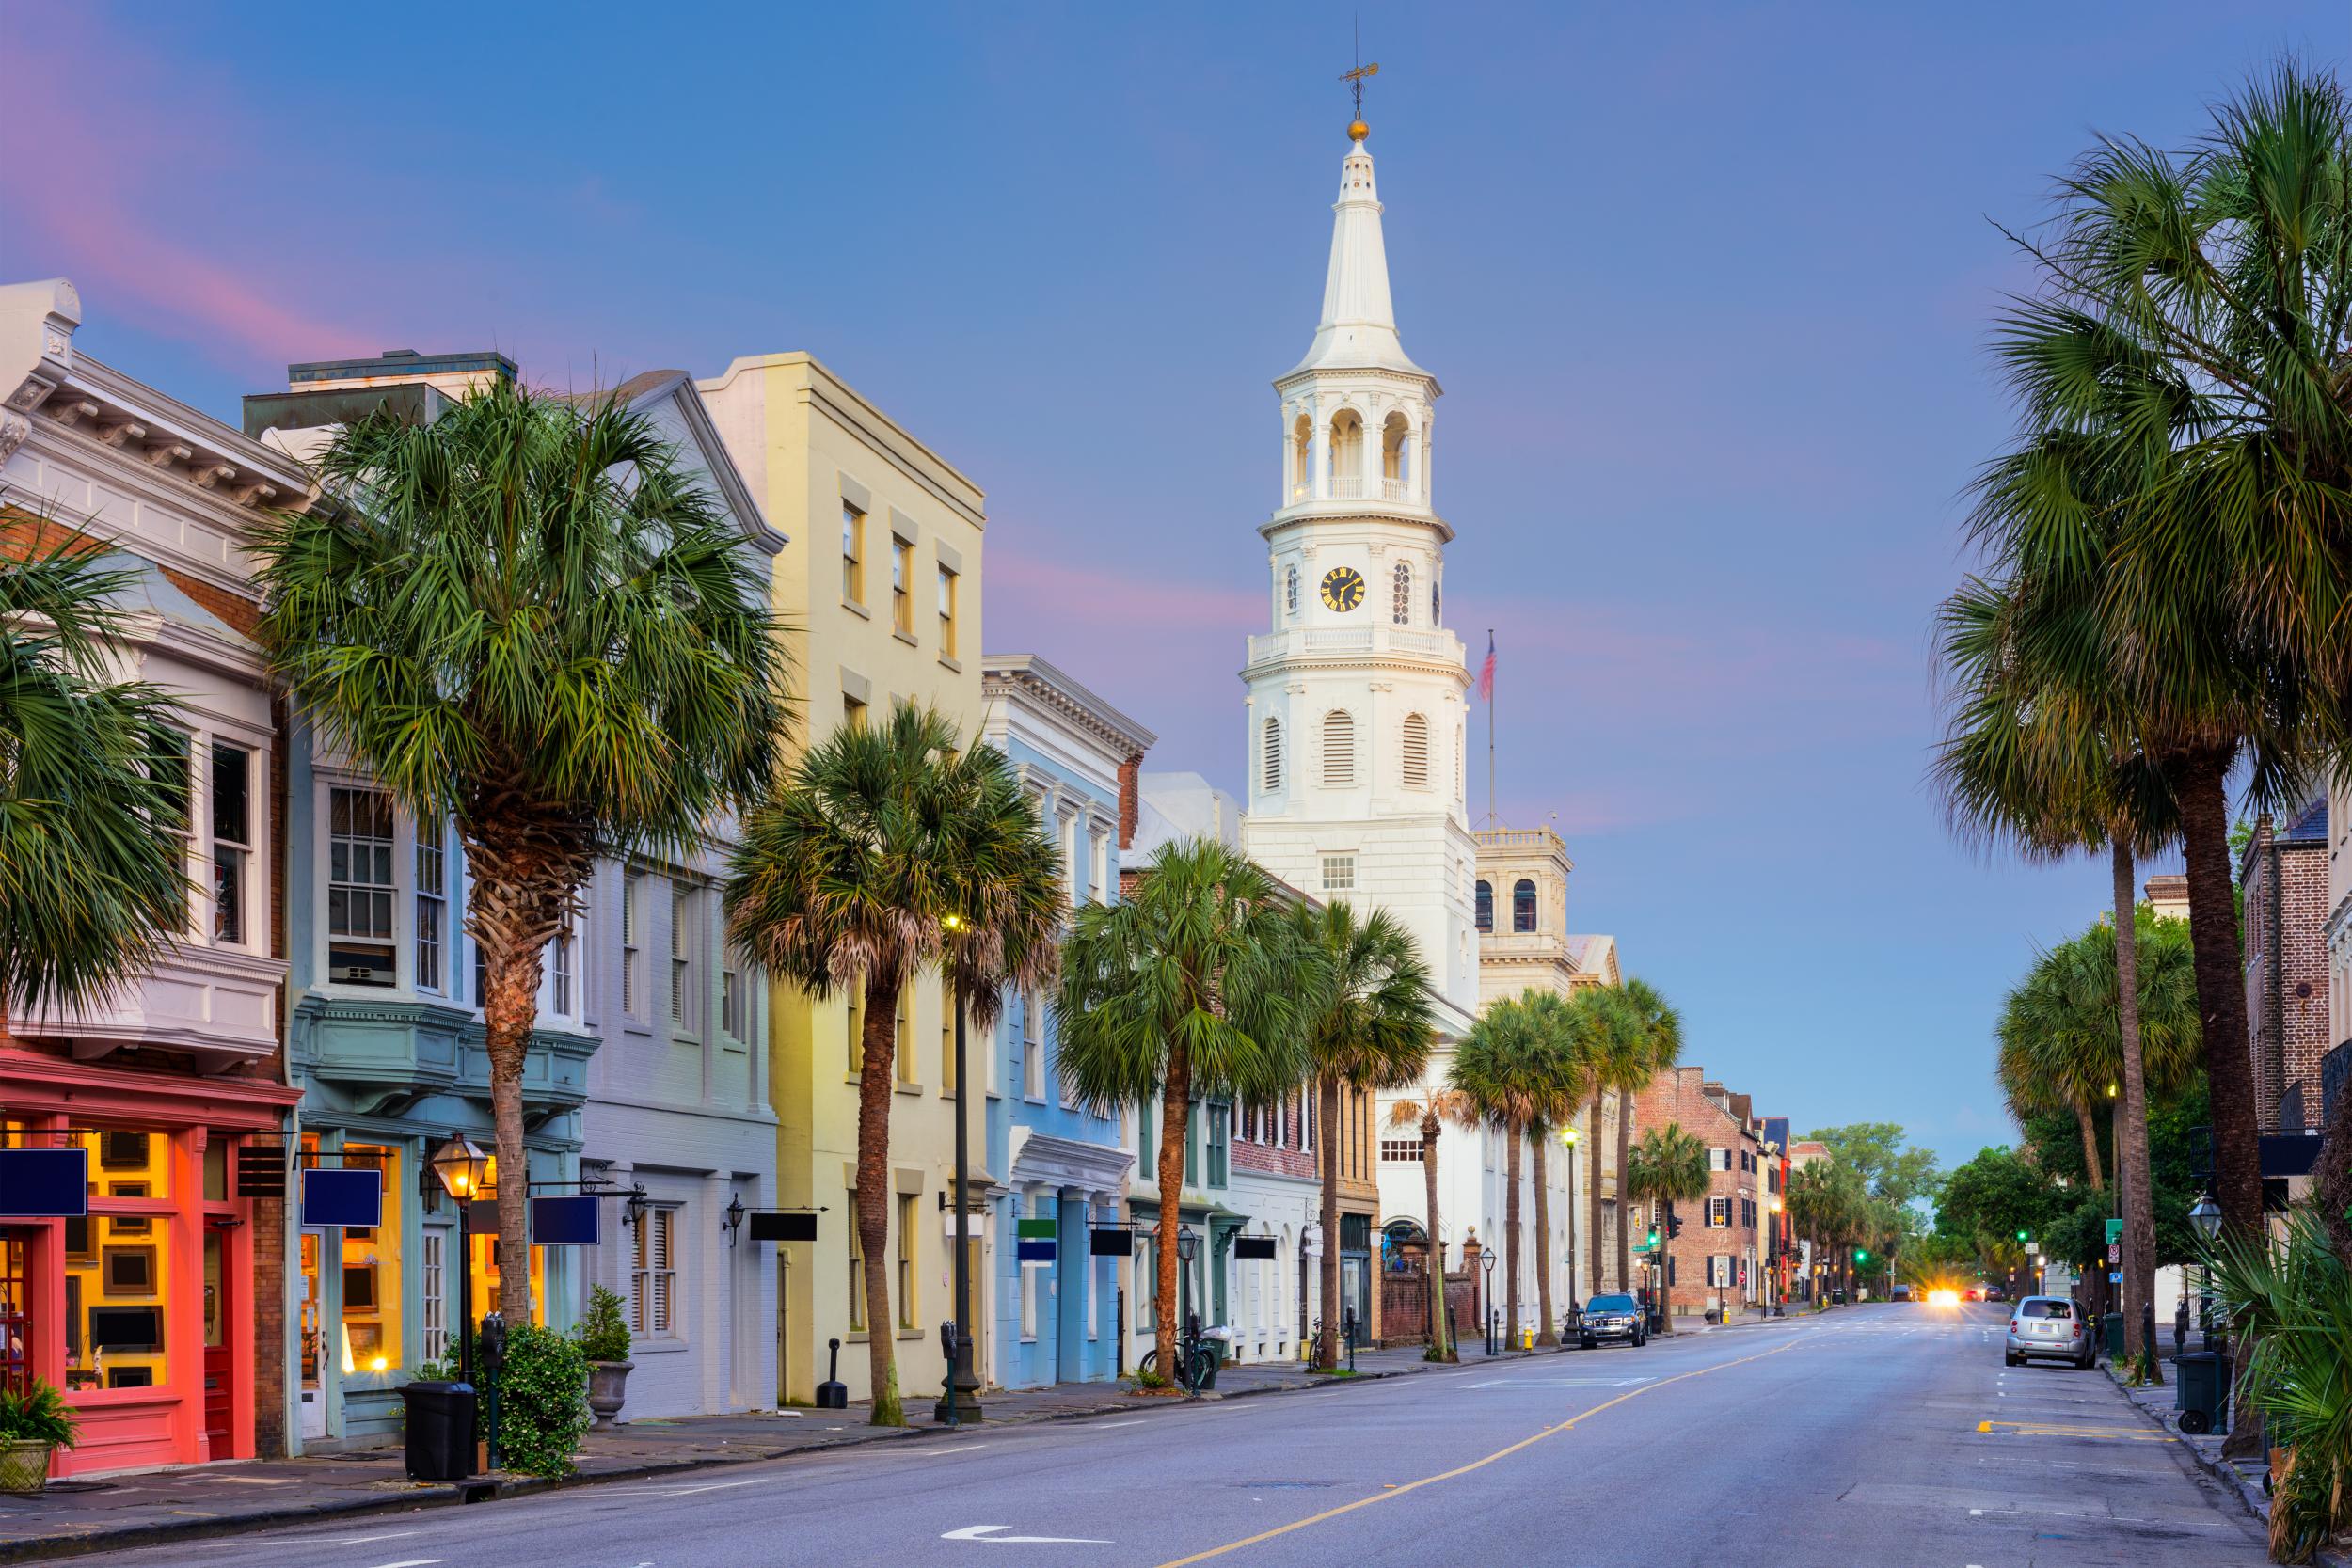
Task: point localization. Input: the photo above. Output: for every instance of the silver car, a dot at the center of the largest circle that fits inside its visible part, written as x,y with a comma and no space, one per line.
2049,1328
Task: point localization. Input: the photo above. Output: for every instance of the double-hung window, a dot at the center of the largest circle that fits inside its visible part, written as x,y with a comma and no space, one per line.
359,887
909,1214
632,939
563,979
901,587
233,840
1718,1212
947,612
852,555
682,936
857,1270
434,1322
169,763
432,905
1033,1045
731,1000
653,1275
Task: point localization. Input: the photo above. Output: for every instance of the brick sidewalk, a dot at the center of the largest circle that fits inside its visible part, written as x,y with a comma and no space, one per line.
151,1507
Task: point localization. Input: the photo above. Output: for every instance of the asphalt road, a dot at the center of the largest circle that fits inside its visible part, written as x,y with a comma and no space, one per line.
1858,1439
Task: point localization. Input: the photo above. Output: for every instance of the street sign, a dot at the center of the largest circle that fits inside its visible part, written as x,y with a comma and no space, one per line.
2115,1253
2115,1277
2115,1231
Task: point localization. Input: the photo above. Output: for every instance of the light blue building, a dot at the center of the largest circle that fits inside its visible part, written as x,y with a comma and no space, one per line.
1056,1321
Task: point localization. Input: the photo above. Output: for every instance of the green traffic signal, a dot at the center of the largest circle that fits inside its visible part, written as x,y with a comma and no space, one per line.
1653,1238
2025,1235
1861,1256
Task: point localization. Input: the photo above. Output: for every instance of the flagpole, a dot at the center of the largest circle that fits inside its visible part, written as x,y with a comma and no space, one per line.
1490,727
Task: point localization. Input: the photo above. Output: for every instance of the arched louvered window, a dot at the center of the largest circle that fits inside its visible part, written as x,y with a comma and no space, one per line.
1523,906
1339,748
1401,607
1272,767
1436,603
1486,905
1417,752
1290,590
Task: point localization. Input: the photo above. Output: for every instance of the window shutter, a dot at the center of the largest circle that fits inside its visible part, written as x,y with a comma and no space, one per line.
1339,748
1416,751
1273,770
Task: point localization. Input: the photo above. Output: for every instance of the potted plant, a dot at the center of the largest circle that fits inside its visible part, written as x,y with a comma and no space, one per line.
34,1424
603,1335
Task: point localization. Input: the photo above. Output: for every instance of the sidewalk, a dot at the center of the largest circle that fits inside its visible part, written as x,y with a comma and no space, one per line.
147,1507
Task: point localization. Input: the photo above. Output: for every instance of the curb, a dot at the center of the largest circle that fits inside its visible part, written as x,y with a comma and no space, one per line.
456,1494
2248,1494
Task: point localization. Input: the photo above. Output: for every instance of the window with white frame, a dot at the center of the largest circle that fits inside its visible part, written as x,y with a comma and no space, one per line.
852,555
435,1320
1099,869
1028,1209
1338,873
232,841
681,950
731,1000
432,906
1719,1159
359,887
1719,1269
653,1274
632,937
562,982
1069,857
1718,1212
171,763
1033,1045
1399,1151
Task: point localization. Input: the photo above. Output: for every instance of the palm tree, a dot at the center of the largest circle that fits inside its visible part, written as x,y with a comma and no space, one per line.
527,617
1611,1043
889,851
1490,1069
1195,985
1668,1167
92,781
2190,334
2044,751
1657,1049
1557,1072
1372,1033
1429,1114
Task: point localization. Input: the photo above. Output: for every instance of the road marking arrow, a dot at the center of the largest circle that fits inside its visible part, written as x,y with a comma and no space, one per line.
988,1534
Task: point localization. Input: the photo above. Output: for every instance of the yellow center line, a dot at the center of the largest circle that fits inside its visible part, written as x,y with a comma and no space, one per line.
1399,1491
2052,1428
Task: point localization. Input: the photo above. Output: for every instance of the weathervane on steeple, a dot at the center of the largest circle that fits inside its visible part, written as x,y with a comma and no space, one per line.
1358,130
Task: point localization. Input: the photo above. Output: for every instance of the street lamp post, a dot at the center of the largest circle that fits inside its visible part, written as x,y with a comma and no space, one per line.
1568,1138
1487,1260
961,1403
2204,1218
463,1169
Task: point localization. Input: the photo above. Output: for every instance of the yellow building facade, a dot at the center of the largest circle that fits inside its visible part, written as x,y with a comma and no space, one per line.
879,585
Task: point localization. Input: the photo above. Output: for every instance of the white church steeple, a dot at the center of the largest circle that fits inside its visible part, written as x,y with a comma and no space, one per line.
1358,692
1359,326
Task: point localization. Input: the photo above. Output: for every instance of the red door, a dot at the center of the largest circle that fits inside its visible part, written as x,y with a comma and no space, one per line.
16,1316
218,1375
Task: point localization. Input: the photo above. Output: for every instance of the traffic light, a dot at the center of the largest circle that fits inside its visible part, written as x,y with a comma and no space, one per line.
1861,1255
2025,1235
1653,1238
1674,1225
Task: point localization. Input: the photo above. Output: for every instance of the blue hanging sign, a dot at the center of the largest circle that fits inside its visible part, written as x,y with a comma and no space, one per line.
352,1198
44,1183
569,1220
1035,1252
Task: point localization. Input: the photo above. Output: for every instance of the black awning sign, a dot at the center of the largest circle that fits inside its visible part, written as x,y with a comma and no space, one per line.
782,1227
1110,1243
1253,1247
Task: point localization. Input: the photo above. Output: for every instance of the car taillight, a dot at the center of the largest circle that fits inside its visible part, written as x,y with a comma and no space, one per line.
2078,1328
2013,1325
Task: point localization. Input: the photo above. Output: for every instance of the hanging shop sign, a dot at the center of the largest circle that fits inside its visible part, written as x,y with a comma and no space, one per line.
1253,1247
44,1183
782,1227
570,1219
1033,1240
1110,1241
261,1170
352,1198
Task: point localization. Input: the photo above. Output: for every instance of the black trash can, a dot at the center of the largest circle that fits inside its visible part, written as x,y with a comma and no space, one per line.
2200,1389
440,1420
2111,1332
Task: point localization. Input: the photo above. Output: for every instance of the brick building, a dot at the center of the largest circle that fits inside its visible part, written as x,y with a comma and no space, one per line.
1718,1260
2285,873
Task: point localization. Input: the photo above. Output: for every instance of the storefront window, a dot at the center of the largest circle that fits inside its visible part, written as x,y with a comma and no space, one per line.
486,1280
117,1260
371,1345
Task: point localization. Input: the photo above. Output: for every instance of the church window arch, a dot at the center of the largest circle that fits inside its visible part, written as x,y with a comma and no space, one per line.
1271,768
1396,453
1417,750
1302,444
1486,905
1401,606
1436,602
1339,748
1347,445
1290,590
1523,905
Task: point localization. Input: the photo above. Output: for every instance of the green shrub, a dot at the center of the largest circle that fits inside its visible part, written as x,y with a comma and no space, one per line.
543,1400
603,1332
2296,1303
38,1414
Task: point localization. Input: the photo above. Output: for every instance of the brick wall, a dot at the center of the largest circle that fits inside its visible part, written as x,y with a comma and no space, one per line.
2286,969
1680,1096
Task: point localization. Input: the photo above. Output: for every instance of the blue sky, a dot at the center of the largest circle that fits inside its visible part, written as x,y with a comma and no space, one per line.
1708,291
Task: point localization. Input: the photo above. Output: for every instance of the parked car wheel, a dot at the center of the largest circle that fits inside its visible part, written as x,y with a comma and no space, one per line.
1640,1340
2012,1360
1588,1343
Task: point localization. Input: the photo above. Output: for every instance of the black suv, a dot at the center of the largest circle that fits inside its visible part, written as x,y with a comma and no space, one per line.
1613,1318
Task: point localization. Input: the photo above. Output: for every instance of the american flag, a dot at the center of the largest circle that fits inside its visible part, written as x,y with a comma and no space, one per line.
1486,671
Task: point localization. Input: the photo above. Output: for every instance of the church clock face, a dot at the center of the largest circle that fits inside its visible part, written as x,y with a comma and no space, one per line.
1343,588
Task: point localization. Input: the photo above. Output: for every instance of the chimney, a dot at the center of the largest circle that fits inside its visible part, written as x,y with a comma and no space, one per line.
1130,798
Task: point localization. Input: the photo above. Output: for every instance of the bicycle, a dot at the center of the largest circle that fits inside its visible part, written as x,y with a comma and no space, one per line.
1191,1356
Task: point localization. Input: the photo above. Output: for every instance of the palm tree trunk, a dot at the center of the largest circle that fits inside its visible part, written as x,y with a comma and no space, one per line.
1625,1153
2091,1146
1440,1348
2200,783
1545,1334
1665,1251
1598,1240
1511,1229
2139,1213
1175,1127
1328,1342
875,1090
509,1011
2331,1174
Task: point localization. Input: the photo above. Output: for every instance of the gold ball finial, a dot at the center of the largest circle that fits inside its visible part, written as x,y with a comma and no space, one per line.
1358,130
